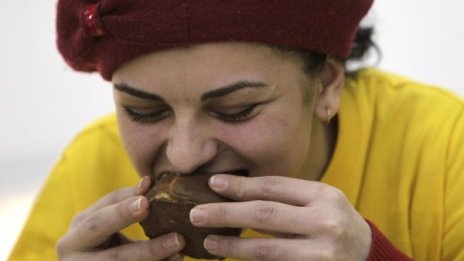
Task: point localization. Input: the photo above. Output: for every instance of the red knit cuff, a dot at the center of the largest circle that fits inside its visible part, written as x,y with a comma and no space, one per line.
382,249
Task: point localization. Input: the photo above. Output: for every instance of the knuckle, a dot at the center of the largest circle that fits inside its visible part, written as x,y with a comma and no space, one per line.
78,219
154,250
330,253
335,194
324,190
334,227
157,251
332,195
240,190
221,215
264,212
228,247
266,252
92,224
268,185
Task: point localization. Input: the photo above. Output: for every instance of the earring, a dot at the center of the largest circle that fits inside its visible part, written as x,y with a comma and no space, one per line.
328,115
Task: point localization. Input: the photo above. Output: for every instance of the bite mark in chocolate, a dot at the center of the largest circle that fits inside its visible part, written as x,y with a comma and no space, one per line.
171,199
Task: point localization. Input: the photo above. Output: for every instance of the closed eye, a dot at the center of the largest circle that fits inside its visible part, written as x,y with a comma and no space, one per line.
242,115
146,117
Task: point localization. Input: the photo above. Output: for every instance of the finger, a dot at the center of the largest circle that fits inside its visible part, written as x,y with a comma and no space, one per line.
116,239
122,194
272,188
176,257
264,215
100,225
115,197
163,247
144,185
259,248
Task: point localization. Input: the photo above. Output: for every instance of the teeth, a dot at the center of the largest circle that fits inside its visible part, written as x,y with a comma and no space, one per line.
164,174
240,172
167,173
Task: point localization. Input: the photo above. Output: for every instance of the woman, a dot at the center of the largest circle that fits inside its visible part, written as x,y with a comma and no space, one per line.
367,166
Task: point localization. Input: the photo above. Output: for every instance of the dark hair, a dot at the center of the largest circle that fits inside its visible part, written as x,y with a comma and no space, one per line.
363,42
313,62
362,45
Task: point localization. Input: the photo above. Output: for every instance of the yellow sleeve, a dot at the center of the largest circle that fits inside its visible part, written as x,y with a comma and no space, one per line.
453,237
93,165
48,220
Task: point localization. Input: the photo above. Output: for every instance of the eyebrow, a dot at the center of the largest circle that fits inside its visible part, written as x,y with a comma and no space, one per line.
136,92
222,91
231,88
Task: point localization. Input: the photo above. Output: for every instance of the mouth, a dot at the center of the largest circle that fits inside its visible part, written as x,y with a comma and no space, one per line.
237,172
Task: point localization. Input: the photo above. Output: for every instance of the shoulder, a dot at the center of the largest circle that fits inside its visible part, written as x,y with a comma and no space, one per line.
98,149
389,95
92,157
100,135
105,126
385,85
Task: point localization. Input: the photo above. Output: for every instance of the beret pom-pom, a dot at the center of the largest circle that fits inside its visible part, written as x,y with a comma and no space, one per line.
75,39
91,20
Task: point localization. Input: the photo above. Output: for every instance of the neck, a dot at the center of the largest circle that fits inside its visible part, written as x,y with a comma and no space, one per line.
323,140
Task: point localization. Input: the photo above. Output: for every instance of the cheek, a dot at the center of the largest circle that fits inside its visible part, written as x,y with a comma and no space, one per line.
275,145
142,143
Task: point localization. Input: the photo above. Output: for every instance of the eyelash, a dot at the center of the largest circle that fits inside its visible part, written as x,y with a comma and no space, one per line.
144,118
235,117
157,116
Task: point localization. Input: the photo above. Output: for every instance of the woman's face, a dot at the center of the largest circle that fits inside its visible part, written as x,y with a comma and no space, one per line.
217,108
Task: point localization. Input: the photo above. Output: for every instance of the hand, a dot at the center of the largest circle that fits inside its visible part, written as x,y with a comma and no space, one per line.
308,220
94,233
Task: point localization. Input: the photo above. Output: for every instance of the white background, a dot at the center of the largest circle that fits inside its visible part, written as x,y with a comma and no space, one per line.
43,103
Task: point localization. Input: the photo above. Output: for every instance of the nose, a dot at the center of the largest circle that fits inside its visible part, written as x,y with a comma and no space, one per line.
188,147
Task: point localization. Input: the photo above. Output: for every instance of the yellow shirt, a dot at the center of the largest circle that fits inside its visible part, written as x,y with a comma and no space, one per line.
399,159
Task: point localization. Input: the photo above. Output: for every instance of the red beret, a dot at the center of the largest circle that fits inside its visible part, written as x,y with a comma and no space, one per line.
102,35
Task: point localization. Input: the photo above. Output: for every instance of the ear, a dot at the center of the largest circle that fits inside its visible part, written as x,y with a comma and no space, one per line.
332,80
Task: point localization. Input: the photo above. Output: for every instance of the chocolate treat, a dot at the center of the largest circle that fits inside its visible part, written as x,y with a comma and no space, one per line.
171,199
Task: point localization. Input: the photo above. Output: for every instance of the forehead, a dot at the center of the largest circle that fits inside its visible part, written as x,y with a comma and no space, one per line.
218,60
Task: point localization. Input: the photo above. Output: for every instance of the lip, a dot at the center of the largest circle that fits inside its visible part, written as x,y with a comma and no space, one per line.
236,172
239,172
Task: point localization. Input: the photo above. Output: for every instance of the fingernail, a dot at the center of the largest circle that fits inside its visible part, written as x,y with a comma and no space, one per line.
172,242
211,243
197,215
218,183
136,205
143,183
